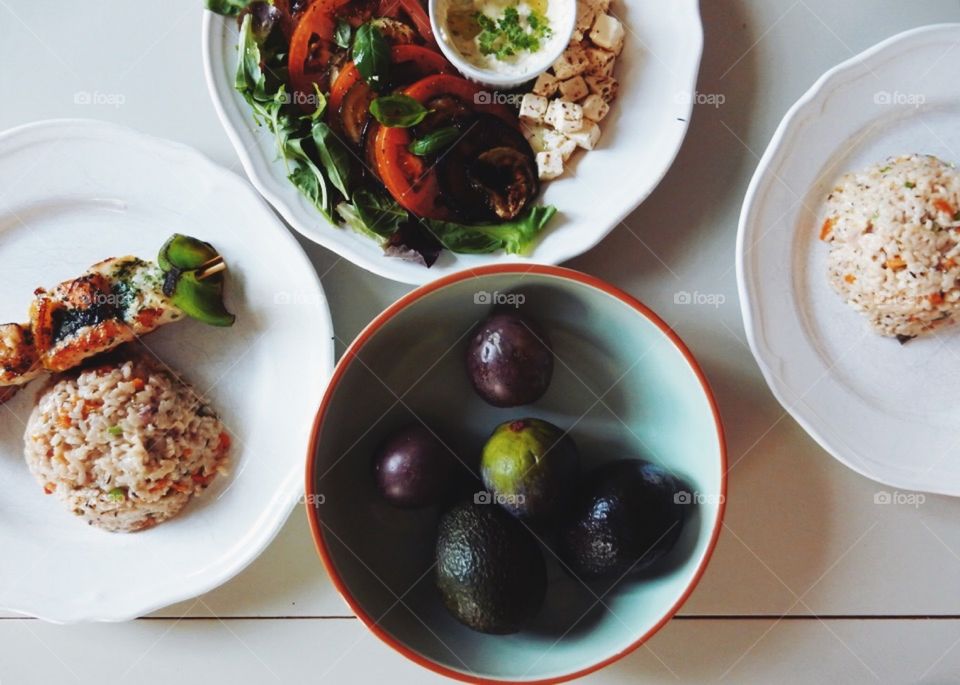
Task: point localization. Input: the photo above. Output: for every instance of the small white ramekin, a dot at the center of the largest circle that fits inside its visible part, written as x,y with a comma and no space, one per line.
560,41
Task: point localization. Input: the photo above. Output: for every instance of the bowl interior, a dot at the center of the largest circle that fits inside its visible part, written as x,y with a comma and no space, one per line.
621,386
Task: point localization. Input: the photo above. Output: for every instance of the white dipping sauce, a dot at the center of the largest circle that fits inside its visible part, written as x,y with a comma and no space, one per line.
459,30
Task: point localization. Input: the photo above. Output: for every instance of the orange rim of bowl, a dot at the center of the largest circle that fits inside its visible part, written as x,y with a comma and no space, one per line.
371,330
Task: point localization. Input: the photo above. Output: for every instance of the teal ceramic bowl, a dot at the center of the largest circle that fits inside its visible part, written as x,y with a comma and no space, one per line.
625,385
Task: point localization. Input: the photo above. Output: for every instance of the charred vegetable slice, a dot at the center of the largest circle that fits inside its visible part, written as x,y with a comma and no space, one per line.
508,177
482,185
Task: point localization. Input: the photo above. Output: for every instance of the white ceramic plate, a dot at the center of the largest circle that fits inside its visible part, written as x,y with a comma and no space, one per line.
887,411
76,192
641,136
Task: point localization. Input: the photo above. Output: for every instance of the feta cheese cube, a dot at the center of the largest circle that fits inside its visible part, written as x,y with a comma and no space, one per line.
607,33
564,115
549,164
604,86
572,62
533,108
558,142
587,136
586,14
601,62
595,108
574,89
546,85
535,133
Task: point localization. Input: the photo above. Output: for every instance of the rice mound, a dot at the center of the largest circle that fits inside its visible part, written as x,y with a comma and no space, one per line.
124,444
893,235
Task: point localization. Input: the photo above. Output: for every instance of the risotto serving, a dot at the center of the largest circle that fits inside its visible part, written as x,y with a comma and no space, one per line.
124,444
894,244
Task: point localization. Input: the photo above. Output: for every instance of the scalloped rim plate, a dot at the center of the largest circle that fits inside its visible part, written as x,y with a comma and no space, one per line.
641,137
81,191
886,411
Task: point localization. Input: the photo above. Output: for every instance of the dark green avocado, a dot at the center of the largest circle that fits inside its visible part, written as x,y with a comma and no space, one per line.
490,571
627,515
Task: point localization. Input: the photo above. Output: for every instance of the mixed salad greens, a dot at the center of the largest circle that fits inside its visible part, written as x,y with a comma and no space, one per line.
378,133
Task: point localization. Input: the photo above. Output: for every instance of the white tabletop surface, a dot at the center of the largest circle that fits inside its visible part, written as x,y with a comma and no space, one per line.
811,579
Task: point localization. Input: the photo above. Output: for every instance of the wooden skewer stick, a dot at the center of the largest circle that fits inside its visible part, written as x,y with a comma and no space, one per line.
211,267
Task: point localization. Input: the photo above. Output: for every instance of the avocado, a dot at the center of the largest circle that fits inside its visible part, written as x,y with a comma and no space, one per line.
490,571
627,515
531,466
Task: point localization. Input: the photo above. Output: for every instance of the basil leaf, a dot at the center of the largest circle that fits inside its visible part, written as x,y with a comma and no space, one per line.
333,155
343,34
439,140
228,8
513,237
374,214
371,55
379,211
307,176
398,111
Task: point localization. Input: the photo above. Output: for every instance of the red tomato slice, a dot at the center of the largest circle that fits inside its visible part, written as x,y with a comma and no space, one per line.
407,177
471,94
311,47
417,61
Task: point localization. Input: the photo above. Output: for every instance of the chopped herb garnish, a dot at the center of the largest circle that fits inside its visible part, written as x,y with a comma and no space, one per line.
910,184
117,494
512,33
885,169
115,430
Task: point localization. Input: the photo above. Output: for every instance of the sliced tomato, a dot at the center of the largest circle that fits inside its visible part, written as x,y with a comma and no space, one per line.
412,62
408,178
471,94
345,81
312,47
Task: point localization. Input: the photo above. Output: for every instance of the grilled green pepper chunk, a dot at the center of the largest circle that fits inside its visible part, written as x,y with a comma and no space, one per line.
181,258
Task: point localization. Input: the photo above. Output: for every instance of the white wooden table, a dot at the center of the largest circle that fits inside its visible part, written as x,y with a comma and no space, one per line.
811,580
